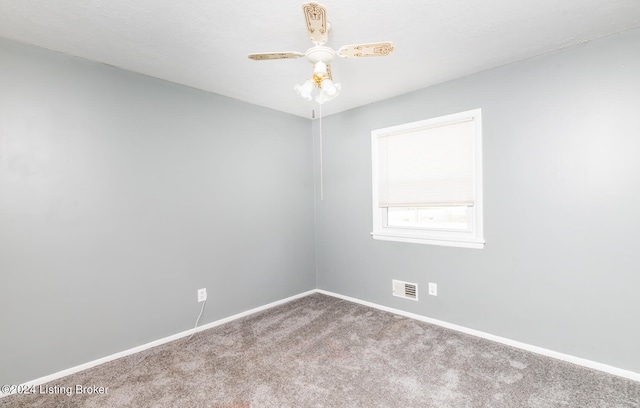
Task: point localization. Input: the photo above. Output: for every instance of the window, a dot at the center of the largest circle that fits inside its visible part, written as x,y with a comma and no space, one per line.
427,181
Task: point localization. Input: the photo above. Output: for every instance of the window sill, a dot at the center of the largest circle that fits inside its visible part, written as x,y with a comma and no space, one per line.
451,242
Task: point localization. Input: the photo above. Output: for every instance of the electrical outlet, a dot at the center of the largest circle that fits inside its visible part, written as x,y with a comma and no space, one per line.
433,289
202,294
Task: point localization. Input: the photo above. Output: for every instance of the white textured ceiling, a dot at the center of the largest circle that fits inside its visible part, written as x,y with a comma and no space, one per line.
204,44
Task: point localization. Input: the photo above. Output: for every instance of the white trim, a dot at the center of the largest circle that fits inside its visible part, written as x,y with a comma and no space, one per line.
503,340
389,236
631,375
143,347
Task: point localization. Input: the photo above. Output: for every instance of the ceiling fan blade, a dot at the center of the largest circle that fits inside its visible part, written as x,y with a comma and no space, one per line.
366,50
315,16
275,55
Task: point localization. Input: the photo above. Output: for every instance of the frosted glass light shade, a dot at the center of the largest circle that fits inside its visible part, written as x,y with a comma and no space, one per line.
305,89
328,91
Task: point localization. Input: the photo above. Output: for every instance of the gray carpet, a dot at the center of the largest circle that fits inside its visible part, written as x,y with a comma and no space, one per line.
320,351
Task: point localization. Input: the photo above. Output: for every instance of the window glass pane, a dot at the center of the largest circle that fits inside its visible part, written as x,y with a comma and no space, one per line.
452,218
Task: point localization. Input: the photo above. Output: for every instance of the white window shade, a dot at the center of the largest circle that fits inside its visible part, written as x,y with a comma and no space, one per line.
427,167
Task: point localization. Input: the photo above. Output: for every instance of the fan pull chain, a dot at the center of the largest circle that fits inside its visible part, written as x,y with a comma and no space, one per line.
321,172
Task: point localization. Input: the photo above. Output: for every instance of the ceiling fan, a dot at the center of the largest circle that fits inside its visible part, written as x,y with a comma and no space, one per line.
320,56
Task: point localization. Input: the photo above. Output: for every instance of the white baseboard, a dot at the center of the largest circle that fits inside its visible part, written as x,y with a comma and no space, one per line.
527,347
513,343
85,366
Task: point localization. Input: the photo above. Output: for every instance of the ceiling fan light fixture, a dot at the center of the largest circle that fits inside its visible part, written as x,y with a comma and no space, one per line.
320,72
305,89
328,91
320,69
329,87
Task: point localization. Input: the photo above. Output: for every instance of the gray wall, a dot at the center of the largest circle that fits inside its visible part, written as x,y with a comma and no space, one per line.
562,193
121,195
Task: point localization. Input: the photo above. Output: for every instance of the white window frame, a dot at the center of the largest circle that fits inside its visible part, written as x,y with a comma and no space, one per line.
471,238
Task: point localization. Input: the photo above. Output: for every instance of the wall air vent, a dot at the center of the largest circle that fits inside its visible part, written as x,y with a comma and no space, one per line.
405,290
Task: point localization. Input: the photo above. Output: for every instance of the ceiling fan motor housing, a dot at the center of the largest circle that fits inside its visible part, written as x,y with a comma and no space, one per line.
320,53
